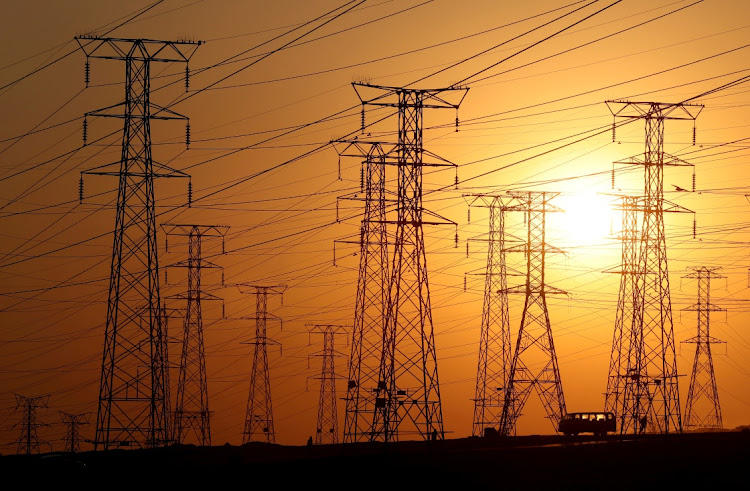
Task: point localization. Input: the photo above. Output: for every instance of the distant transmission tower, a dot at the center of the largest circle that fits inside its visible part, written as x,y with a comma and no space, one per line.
372,295
493,366
408,390
651,399
133,409
534,344
622,338
703,409
28,441
259,415
327,430
191,414
72,431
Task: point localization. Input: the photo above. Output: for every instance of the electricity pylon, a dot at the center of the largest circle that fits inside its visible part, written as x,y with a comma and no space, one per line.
28,441
132,408
72,431
651,398
622,337
408,390
192,422
493,364
327,430
167,314
259,415
702,409
534,344
372,295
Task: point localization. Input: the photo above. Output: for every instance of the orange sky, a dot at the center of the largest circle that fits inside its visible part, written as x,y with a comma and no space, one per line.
54,252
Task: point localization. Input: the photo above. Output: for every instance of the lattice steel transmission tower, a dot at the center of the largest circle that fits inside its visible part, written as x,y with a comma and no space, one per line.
28,441
622,337
72,430
651,397
702,409
167,314
372,294
493,364
191,414
534,344
327,429
259,415
133,409
408,391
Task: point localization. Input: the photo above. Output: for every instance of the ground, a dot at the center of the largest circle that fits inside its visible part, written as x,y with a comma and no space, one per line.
716,459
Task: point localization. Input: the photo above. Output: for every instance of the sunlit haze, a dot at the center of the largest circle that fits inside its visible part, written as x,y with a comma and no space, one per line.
270,90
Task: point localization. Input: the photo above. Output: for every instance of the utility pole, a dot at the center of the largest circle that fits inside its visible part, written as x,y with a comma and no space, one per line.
28,441
702,409
72,432
408,391
651,398
133,410
494,360
372,294
327,430
534,344
191,414
259,415
622,338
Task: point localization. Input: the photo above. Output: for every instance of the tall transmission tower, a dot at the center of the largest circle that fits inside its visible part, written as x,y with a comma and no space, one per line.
408,391
72,430
372,295
28,441
133,409
327,430
702,409
534,344
651,397
167,314
191,414
259,415
493,364
622,337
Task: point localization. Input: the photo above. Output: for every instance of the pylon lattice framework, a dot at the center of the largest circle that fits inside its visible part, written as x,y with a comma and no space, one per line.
622,338
167,314
371,300
72,430
702,409
650,396
192,422
259,414
327,429
28,441
534,343
133,409
493,365
408,391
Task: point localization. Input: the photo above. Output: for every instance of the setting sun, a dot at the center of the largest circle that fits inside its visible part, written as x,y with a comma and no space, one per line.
588,217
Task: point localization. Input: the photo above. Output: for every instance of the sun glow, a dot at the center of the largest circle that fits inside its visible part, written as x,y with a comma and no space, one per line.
588,218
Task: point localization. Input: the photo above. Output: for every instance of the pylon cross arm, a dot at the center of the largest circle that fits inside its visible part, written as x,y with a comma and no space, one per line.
148,49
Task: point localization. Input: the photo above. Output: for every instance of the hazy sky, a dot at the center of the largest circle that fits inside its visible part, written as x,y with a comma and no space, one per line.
534,118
